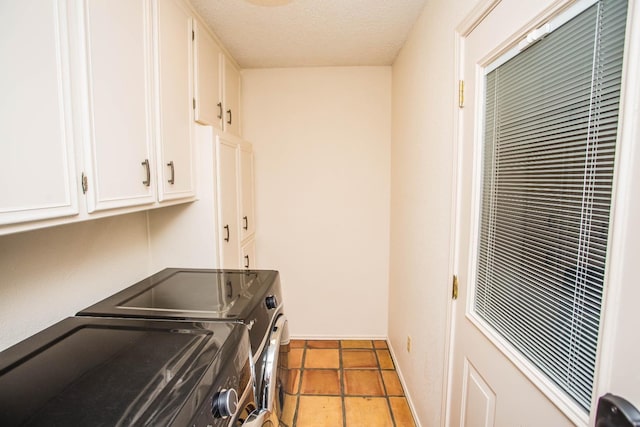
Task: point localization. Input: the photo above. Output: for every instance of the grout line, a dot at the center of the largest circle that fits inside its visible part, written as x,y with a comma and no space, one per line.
384,385
342,385
299,388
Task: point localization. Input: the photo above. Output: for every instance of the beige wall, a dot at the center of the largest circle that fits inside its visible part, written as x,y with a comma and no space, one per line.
185,235
421,189
51,274
321,140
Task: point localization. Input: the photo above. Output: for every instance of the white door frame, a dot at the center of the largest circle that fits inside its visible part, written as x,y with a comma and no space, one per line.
628,132
482,9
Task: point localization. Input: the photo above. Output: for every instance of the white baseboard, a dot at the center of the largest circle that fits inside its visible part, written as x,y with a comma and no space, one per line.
404,386
334,337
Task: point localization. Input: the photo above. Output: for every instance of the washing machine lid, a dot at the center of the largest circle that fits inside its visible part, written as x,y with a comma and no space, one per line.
91,371
190,294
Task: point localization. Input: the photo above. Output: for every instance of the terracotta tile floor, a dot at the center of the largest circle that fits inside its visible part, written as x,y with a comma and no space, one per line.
346,383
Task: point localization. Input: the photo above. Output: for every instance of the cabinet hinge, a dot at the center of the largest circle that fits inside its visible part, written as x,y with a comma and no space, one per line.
461,93
454,291
84,182
194,103
193,35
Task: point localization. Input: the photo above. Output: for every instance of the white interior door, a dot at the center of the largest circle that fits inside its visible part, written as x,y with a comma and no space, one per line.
490,383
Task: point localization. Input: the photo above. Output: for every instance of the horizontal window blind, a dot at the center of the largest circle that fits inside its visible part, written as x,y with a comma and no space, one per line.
550,124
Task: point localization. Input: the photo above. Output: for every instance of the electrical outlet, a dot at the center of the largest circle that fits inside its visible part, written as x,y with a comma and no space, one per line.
408,344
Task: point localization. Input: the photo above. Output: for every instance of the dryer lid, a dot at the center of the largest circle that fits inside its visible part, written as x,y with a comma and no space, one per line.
188,294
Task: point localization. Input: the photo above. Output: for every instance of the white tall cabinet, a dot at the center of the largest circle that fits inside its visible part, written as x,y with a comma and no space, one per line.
36,135
235,188
216,103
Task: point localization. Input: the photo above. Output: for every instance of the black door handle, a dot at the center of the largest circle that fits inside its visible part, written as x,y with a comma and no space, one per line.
615,411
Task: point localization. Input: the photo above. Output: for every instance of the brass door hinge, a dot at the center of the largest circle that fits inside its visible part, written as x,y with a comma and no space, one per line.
461,93
454,291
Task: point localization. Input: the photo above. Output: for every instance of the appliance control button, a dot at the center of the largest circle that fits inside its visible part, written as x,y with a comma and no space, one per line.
224,404
271,301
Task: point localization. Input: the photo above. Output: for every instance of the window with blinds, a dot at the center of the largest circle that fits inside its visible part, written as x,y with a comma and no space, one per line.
550,125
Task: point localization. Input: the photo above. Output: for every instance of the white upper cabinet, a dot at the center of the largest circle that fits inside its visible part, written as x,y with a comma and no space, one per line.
36,136
175,146
208,96
231,97
97,102
118,109
217,85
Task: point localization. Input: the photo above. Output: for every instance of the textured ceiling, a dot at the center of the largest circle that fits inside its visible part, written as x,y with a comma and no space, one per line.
295,33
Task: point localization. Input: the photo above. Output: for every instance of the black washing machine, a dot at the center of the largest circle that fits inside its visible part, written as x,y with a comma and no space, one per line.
128,372
252,298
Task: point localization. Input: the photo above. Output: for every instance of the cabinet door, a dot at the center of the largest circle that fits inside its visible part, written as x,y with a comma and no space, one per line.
36,149
175,148
231,97
228,204
249,254
118,115
208,99
247,217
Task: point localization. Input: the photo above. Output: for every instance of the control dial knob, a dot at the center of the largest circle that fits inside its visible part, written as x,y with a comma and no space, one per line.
271,301
224,403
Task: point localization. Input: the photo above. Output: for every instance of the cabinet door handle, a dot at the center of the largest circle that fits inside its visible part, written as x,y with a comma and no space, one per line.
226,227
229,286
246,222
172,180
219,110
147,181
246,261
230,117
